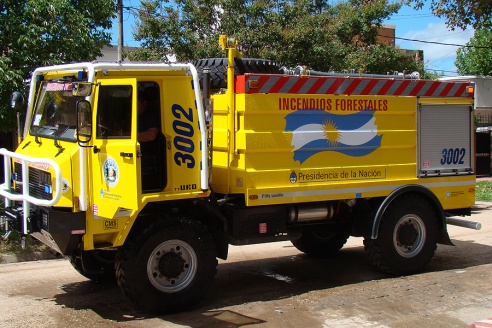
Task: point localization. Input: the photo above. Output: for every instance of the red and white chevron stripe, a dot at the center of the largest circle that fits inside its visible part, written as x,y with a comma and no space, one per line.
255,83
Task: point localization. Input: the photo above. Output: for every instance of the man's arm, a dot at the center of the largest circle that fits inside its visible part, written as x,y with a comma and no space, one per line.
148,135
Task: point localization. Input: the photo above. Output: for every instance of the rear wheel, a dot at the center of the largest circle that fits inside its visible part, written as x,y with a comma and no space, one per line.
168,267
407,236
321,242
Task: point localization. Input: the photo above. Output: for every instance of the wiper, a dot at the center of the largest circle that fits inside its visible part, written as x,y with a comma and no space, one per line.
36,137
63,80
57,145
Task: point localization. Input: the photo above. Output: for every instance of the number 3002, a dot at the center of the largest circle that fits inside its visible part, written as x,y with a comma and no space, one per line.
452,156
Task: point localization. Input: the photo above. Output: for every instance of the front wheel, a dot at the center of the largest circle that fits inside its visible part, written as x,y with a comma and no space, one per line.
168,267
407,236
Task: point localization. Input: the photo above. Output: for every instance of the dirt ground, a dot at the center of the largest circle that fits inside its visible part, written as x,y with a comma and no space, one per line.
274,285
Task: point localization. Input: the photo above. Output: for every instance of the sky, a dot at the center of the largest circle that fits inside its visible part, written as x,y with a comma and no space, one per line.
410,24
423,25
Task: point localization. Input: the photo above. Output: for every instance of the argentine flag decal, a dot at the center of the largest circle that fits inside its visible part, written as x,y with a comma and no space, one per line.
314,131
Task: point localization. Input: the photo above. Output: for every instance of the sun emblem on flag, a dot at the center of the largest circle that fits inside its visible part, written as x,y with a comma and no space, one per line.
331,132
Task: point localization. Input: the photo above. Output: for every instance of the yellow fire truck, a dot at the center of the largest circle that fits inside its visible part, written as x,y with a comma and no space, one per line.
265,156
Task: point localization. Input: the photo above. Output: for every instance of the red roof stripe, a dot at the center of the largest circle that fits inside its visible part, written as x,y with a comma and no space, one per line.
417,88
334,86
385,87
461,90
404,84
432,88
446,89
369,87
352,86
349,86
314,89
279,84
297,86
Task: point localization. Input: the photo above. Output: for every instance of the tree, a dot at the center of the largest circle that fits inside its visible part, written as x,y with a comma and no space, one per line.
460,13
292,32
475,58
383,59
46,32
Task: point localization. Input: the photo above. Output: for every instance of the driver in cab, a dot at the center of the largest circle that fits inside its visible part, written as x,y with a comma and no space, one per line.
147,121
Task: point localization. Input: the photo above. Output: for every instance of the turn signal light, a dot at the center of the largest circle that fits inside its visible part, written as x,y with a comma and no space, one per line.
253,84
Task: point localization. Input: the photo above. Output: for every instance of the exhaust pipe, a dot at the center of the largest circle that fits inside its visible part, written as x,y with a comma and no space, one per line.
310,212
464,223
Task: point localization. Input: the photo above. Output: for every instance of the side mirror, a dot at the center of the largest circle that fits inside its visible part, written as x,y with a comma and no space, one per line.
16,101
81,89
84,121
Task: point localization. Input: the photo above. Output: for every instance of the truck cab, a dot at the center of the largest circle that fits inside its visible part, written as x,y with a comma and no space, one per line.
85,119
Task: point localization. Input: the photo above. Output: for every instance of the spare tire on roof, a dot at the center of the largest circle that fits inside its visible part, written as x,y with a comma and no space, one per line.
218,68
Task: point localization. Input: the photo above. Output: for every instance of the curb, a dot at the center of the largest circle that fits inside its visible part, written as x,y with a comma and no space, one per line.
25,257
482,323
481,205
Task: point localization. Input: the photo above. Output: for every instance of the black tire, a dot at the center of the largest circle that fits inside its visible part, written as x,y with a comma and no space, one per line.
97,265
218,69
407,236
322,242
184,268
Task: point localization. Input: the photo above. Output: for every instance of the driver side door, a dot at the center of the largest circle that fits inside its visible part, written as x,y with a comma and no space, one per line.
114,162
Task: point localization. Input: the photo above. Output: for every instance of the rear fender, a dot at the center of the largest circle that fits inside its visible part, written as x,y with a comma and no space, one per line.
442,238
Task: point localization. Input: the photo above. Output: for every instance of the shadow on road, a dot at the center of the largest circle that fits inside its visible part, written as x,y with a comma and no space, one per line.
263,280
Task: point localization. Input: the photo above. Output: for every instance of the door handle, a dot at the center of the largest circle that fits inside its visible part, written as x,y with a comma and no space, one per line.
123,154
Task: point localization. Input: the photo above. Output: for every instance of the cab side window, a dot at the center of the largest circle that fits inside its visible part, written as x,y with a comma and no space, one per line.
114,113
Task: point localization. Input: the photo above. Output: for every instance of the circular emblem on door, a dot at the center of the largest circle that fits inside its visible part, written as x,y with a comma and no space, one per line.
111,172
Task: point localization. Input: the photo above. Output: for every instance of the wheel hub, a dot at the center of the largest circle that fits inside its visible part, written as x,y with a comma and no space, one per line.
409,236
171,265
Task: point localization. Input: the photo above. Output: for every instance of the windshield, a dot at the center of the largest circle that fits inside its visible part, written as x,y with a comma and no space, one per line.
55,114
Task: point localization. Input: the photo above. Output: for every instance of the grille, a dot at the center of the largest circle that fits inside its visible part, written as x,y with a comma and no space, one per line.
37,181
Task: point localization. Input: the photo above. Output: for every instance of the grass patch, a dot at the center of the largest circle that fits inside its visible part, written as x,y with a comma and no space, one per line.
13,244
484,191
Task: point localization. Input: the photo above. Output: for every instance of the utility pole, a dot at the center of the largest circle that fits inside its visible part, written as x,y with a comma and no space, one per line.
120,30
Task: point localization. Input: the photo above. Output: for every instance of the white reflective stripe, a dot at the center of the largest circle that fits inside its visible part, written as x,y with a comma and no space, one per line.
83,184
358,190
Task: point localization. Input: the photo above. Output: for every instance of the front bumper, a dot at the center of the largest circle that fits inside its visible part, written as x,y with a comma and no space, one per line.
59,229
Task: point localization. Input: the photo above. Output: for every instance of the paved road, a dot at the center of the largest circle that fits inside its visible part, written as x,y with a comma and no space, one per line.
274,285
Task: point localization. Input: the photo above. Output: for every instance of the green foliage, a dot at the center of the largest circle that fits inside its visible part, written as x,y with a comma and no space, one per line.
383,59
476,57
316,34
46,32
460,13
432,75
484,191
